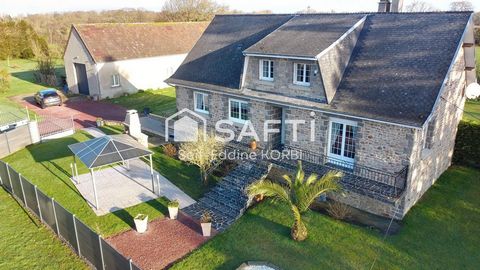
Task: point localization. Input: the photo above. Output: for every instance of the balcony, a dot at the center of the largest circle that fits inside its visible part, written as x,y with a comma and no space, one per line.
364,180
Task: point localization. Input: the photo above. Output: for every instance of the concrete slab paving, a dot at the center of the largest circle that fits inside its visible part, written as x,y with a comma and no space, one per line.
119,187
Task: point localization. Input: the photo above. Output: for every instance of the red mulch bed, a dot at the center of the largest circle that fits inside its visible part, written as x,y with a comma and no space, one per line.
163,243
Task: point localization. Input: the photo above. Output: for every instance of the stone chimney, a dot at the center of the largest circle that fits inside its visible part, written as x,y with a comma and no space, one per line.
390,5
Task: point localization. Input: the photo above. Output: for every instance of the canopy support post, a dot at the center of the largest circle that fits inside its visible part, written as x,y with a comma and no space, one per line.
151,173
94,188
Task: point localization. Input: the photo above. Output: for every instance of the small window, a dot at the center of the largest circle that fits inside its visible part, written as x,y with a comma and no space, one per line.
201,102
301,74
238,111
115,80
266,70
428,137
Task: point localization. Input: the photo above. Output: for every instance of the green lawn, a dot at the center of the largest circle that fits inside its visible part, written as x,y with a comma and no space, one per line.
161,101
441,232
48,166
22,80
25,244
472,111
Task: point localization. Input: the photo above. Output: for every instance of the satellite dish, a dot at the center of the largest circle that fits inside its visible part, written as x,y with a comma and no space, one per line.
473,91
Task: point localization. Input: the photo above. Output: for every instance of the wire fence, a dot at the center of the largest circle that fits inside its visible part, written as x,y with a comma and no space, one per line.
86,243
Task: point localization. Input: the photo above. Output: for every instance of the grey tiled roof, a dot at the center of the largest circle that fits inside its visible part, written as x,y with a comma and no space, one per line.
305,35
395,73
398,66
217,58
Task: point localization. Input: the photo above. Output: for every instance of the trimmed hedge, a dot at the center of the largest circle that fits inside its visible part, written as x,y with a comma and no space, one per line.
467,144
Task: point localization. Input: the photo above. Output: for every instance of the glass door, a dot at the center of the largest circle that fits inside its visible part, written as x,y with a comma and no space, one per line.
341,147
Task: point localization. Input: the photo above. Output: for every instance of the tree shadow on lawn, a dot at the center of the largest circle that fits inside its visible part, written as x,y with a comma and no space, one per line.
28,75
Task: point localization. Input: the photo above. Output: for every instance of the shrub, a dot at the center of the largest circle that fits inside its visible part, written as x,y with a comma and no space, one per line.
206,217
4,81
173,203
467,144
338,210
170,150
46,71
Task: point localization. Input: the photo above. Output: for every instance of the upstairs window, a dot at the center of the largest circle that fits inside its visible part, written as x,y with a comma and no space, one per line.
301,74
266,70
200,101
115,80
238,111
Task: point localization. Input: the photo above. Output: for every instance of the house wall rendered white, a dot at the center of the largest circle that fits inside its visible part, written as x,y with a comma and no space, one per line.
136,74
77,53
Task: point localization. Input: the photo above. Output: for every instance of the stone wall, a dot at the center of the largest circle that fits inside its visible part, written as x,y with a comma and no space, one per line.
426,165
282,83
335,59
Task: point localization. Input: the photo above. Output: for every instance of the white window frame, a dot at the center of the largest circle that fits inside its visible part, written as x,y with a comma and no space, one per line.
205,102
303,82
237,120
116,82
330,125
270,64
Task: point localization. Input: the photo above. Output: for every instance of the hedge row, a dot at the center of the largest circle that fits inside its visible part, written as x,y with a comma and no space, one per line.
467,144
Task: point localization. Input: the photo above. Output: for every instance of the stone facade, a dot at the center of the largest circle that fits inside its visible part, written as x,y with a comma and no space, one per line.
282,83
385,147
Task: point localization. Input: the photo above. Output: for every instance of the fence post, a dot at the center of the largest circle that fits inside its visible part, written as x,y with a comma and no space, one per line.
130,263
1,180
38,204
101,250
23,191
9,177
76,234
55,215
8,143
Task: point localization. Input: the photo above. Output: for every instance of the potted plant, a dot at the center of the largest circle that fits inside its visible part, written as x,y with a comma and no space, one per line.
99,122
206,223
141,223
173,209
253,144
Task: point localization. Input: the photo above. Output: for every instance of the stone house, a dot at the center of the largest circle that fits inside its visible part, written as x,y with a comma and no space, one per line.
384,91
110,59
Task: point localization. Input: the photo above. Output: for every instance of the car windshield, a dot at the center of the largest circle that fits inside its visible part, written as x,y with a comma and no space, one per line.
50,94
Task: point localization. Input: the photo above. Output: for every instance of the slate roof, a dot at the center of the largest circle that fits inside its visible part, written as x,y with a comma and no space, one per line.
108,42
395,72
217,58
313,34
107,150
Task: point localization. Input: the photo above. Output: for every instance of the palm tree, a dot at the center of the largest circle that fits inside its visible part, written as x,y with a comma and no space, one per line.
298,193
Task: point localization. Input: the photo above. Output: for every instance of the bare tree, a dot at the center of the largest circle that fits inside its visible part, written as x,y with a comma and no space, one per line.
419,6
192,10
204,153
461,6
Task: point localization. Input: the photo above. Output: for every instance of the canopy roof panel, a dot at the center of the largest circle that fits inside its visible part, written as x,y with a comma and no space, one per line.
107,150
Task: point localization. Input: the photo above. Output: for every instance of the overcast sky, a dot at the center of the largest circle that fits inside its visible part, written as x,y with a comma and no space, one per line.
19,7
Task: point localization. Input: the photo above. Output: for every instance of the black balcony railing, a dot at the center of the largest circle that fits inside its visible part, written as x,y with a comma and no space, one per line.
396,180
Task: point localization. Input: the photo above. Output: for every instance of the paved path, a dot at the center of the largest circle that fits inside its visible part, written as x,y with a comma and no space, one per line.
95,132
119,187
164,242
84,111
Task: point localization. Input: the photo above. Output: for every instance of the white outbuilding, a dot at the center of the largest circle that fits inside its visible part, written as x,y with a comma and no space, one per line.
110,59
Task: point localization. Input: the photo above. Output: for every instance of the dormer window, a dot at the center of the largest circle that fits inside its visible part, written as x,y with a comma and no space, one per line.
266,70
301,74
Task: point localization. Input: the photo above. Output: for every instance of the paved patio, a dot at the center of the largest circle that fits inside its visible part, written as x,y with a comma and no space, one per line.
119,188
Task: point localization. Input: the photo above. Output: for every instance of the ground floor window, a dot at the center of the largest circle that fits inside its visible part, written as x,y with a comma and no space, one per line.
342,144
115,80
238,110
201,102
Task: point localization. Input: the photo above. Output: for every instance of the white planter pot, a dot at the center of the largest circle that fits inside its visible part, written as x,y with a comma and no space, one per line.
99,123
206,228
141,224
173,212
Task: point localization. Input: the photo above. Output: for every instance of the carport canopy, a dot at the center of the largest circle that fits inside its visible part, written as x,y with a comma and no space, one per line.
107,150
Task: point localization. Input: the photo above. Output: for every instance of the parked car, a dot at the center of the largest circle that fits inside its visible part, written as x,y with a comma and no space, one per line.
48,97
